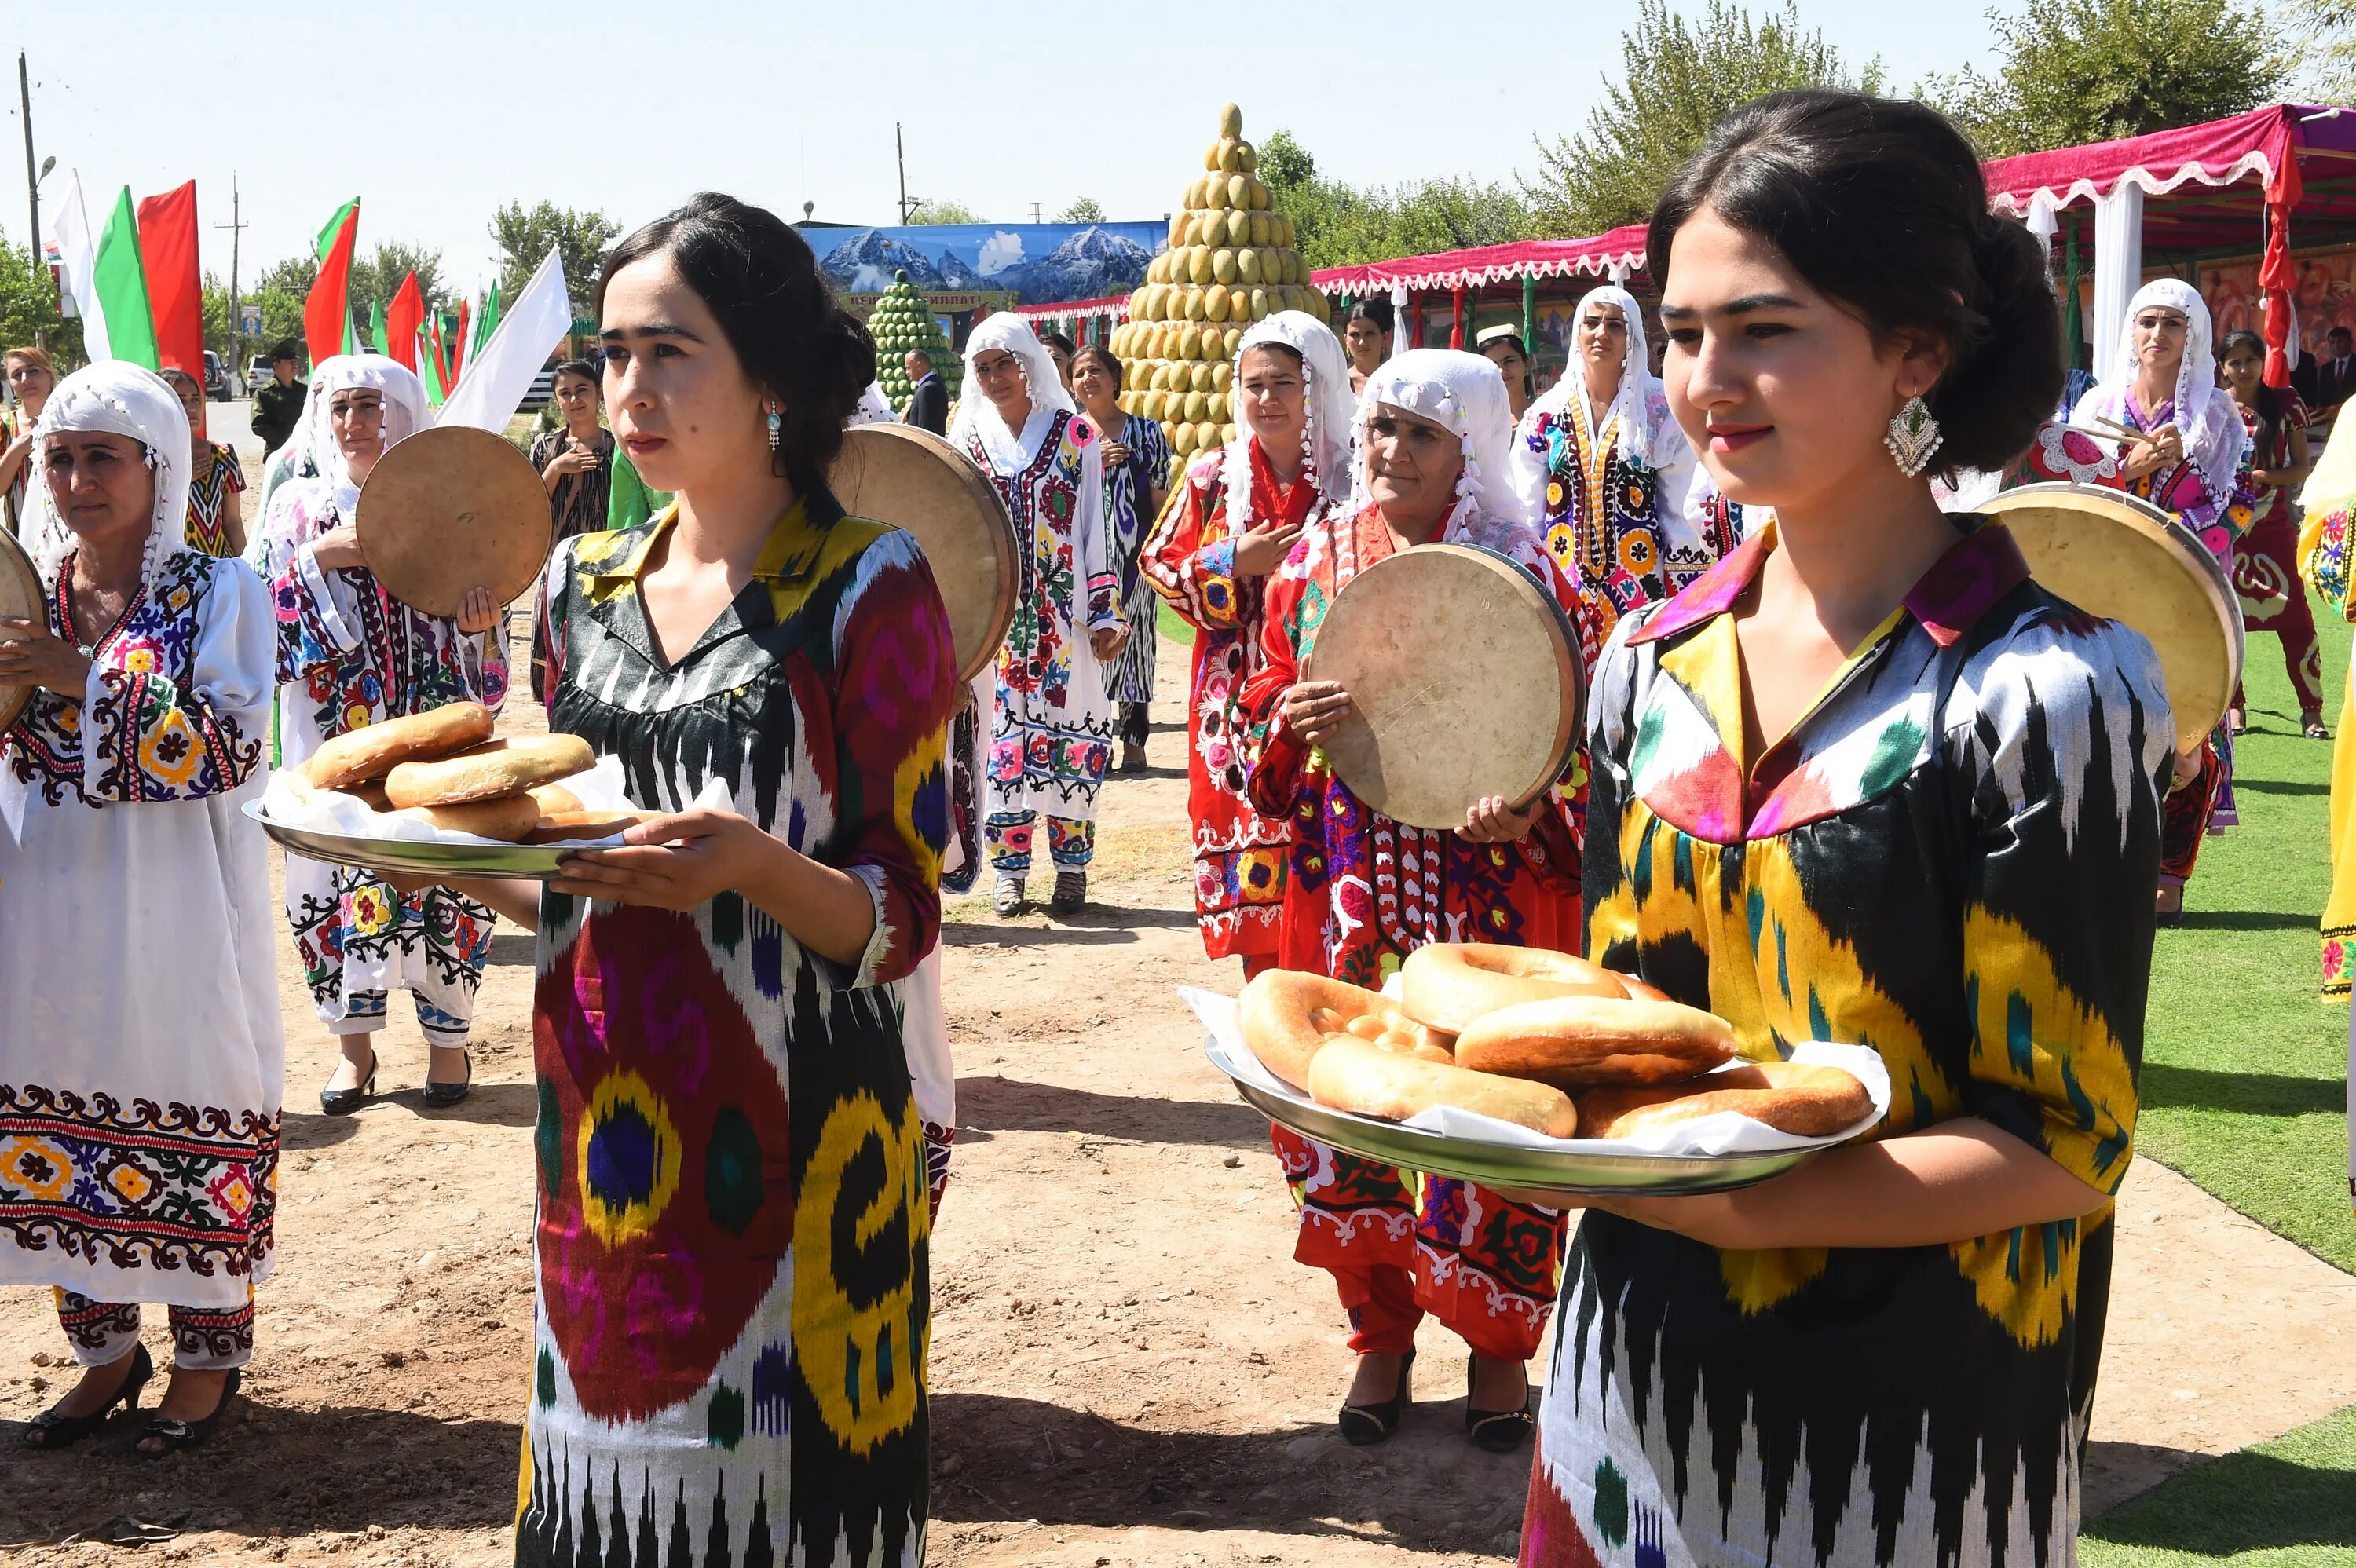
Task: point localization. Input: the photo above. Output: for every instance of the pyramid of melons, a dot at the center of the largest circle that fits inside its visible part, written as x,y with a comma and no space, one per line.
1231,262
903,322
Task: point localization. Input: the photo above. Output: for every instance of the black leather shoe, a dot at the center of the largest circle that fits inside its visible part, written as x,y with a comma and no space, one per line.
1498,1431
344,1102
177,1435
1363,1425
441,1096
50,1430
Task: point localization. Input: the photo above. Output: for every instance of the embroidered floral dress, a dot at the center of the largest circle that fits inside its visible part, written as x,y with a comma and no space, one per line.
1949,860
140,1052
208,492
1051,737
1362,891
732,1237
1623,533
350,655
1240,855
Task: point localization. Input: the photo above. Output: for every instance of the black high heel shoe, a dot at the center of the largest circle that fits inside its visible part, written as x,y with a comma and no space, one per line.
1364,1425
344,1102
1498,1431
177,1435
50,1430
441,1096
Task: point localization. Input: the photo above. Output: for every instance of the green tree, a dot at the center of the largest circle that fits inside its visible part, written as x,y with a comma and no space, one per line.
1087,209
2090,70
943,212
376,276
294,275
1679,79
28,308
526,237
1337,224
2325,32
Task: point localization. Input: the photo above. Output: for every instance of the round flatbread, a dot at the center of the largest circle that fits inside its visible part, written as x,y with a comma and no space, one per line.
913,479
451,509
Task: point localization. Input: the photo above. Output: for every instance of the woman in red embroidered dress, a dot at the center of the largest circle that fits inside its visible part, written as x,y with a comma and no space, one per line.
1210,556
1362,891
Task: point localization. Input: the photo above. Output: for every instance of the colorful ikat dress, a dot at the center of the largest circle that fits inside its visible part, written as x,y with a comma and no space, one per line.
139,1053
1949,860
1362,891
1240,855
732,1238
350,655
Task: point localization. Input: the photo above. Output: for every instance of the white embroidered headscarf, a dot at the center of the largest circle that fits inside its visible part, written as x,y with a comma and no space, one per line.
1464,393
1326,398
977,417
318,461
116,397
1640,403
2205,415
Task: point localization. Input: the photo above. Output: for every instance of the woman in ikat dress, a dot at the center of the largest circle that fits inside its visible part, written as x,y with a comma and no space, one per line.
732,1295
139,1099
1864,781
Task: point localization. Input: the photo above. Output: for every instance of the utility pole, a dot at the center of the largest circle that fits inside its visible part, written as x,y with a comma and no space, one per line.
900,152
1037,209
32,179
236,227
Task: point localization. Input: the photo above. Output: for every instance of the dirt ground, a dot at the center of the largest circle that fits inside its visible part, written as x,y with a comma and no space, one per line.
1127,1367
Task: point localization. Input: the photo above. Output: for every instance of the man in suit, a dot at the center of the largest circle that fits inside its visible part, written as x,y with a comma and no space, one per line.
2329,380
928,403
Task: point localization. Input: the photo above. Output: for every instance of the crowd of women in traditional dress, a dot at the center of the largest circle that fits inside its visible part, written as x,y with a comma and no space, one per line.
1850,773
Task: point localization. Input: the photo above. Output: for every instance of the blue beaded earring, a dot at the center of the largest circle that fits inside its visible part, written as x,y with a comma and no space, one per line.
777,422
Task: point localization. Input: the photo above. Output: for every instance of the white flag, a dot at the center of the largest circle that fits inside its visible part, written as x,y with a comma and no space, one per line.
499,374
78,260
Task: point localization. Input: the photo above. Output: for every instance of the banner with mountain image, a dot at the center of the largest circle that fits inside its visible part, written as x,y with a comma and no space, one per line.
1039,264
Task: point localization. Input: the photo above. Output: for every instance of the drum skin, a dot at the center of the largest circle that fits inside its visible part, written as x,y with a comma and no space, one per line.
20,600
2117,556
450,509
1464,681
912,479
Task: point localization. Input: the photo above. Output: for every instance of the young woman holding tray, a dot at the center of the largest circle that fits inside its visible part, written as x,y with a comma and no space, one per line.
1864,781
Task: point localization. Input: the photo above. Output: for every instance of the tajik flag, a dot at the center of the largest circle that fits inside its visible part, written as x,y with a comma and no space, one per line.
107,278
326,310
500,371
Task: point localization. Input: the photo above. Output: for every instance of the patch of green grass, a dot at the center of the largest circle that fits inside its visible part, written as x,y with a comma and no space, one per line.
2290,1503
2244,1078
1174,626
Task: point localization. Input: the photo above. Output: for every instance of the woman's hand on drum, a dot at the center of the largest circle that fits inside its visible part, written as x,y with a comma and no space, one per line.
1491,821
338,549
1260,550
2186,768
2158,449
476,612
673,862
1313,711
1106,642
42,660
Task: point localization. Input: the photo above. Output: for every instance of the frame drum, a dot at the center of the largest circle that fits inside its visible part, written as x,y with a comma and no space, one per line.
912,479
452,508
20,600
1464,681
2118,556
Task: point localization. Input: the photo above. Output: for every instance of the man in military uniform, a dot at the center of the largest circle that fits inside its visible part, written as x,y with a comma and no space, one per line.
278,403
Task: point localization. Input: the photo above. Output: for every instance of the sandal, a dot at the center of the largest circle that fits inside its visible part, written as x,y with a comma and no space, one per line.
1497,1430
1008,899
2237,721
441,1096
344,1102
2311,726
1071,893
178,1435
1364,1425
50,1430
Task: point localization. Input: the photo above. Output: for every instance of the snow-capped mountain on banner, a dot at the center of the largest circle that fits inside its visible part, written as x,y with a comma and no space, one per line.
1090,264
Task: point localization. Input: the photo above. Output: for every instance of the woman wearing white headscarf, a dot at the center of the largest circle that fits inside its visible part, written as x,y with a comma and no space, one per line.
1211,558
2165,386
1617,496
350,655
141,1038
1364,891
1051,737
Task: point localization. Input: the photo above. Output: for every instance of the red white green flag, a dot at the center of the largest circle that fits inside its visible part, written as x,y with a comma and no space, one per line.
326,311
121,277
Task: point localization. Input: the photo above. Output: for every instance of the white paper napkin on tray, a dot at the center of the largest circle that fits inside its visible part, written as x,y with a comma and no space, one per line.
292,804
1725,1132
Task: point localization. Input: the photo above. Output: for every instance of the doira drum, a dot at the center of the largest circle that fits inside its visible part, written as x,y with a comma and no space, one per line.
20,600
2119,556
451,510
1463,679
913,479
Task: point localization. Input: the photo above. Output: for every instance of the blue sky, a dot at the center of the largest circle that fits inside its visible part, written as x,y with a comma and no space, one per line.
437,119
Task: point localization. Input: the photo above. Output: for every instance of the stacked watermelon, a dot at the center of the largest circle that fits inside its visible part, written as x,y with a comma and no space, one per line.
903,322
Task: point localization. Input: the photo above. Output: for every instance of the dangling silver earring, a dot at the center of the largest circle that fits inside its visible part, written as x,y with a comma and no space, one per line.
1913,437
776,422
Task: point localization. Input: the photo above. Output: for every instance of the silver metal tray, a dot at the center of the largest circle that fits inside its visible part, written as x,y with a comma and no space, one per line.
535,862
1509,1164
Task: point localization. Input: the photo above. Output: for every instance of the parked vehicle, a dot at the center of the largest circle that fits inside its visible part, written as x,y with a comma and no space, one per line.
221,384
257,371
543,393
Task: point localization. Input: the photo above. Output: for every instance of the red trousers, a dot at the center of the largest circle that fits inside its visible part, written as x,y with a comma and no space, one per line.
2273,599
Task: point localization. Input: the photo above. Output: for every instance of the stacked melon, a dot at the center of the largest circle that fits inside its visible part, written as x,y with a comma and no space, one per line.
1231,262
903,323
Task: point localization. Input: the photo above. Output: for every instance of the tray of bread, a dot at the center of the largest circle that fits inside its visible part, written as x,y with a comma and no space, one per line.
438,794
1519,1068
